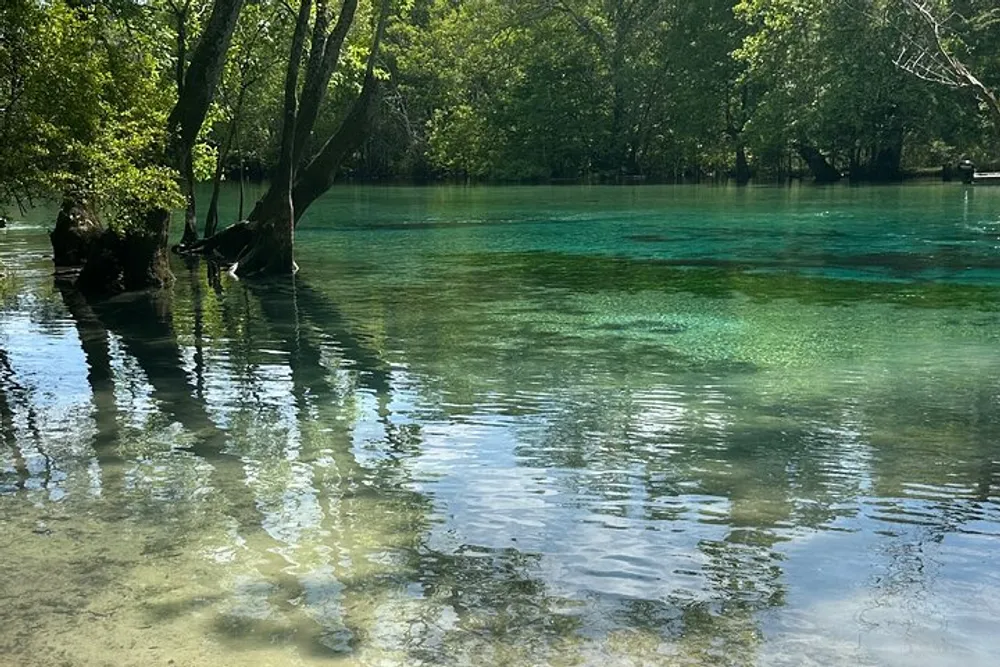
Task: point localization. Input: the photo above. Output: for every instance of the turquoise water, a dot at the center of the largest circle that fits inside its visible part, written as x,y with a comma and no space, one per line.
520,426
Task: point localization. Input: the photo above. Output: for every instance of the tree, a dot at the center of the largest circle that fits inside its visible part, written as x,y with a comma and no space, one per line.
715,94
115,106
182,12
244,91
945,43
135,256
264,243
831,93
81,108
624,33
524,99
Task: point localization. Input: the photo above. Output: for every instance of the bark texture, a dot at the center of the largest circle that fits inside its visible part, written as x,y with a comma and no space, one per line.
76,233
131,260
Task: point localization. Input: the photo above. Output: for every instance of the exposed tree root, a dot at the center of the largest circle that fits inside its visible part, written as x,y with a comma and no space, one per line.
224,247
246,248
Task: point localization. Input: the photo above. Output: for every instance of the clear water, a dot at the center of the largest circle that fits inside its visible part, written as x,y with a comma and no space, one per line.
573,426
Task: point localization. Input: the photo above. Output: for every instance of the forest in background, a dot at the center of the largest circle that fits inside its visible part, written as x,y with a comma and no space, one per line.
510,90
118,107
674,90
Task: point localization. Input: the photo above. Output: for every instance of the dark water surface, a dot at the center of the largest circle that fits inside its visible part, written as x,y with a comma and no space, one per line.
574,426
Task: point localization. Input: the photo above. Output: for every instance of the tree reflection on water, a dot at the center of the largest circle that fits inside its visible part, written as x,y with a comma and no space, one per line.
249,469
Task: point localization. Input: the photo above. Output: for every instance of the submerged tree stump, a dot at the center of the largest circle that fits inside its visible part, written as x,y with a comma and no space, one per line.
75,235
134,258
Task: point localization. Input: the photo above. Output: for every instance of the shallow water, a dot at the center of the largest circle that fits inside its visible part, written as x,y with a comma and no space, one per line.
520,426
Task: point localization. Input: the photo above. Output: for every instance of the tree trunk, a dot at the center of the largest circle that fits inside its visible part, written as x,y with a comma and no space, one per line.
180,15
212,217
886,161
323,58
318,75
822,170
190,209
202,77
77,231
242,188
855,170
742,168
271,250
133,259
315,178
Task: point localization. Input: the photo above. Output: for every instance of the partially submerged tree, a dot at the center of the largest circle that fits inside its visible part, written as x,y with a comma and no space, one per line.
244,92
264,242
135,255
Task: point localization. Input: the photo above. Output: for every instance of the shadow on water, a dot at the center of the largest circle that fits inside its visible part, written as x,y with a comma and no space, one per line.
143,325
291,307
476,603
95,345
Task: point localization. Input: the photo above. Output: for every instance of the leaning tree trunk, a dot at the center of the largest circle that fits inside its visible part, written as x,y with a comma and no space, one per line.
822,170
318,176
324,54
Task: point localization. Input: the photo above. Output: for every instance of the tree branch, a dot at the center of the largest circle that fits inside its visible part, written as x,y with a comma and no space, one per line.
201,80
317,79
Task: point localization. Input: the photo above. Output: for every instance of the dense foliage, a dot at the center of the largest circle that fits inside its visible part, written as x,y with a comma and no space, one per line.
528,90
82,112
670,89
